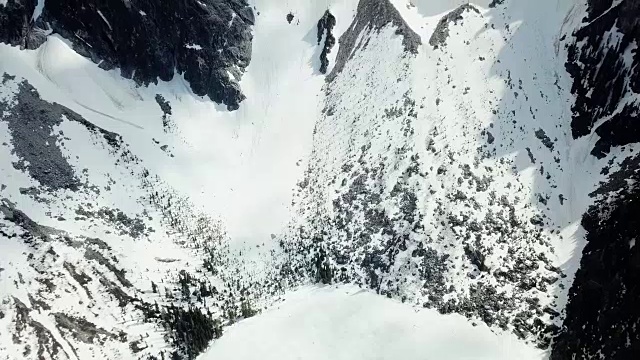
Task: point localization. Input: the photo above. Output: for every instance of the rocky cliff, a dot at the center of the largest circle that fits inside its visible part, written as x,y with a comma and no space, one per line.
208,42
603,319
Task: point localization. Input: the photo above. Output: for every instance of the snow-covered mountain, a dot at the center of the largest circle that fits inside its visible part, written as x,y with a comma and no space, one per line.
361,178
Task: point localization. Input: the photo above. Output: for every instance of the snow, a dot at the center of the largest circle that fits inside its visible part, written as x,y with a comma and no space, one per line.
272,129
37,11
104,19
502,71
236,168
428,8
258,148
345,323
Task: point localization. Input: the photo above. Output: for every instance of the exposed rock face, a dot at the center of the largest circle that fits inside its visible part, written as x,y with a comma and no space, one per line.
603,319
47,342
597,60
31,121
15,22
325,29
441,33
204,40
82,329
374,14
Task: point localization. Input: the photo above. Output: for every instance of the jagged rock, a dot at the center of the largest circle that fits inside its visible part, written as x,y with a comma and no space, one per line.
373,14
164,105
441,33
31,121
596,62
546,141
373,224
325,29
476,258
622,129
147,40
82,329
10,213
16,26
606,289
47,342
490,138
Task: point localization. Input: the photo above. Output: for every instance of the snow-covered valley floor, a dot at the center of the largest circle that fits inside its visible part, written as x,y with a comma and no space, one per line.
348,323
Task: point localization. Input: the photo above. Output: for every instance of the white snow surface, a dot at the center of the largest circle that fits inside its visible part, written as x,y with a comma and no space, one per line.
38,10
346,323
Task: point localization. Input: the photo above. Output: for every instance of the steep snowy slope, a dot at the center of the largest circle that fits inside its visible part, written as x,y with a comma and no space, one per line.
446,160
93,239
443,173
127,209
446,174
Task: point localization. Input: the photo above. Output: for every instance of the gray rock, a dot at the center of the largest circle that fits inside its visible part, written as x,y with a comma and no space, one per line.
546,141
441,33
82,329
325,28
147,39
31,121
373,14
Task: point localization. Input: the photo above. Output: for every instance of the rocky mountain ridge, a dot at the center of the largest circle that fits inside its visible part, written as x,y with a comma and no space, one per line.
208,42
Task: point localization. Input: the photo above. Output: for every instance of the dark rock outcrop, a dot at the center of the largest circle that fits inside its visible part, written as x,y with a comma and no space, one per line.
16,26
441,33
603,316
147,39
373,15
546,141
47,343
622,129
81,329
597,61
325,29
31,121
